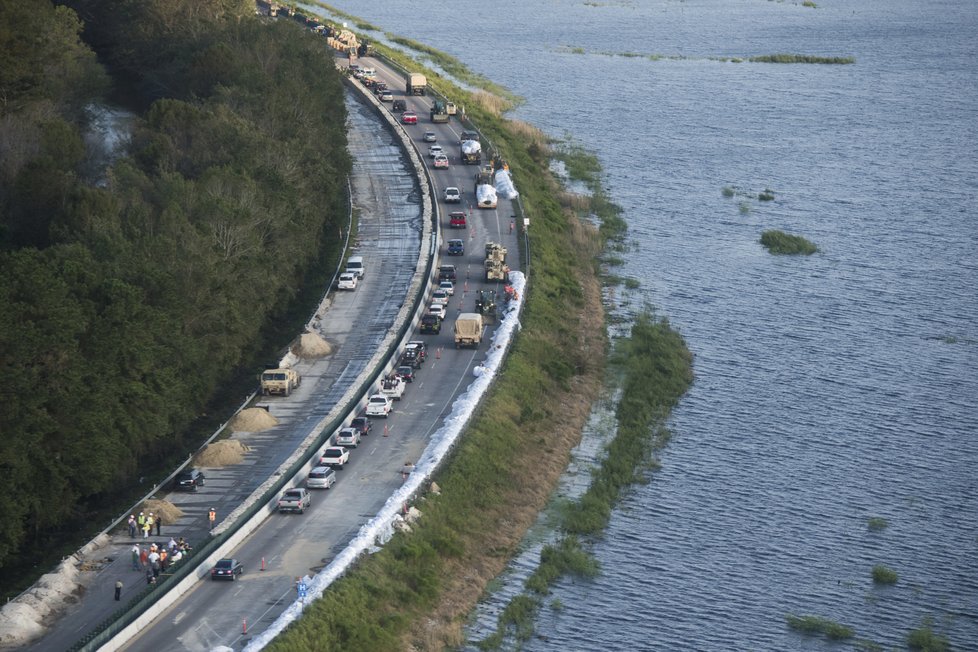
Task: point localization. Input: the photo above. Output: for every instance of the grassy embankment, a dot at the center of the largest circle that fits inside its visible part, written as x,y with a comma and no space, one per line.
418,589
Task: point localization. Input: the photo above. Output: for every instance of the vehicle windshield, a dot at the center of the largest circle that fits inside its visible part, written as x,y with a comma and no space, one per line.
224,564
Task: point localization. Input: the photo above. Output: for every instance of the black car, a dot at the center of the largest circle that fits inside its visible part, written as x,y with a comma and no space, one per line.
227,569
420,346
189,480
399,106
406,373
430,324
363,424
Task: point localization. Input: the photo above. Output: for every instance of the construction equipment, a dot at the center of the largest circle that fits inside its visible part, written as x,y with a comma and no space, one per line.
438,112
485,302
468,330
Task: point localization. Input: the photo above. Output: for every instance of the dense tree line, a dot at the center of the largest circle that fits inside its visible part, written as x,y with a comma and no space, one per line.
128,294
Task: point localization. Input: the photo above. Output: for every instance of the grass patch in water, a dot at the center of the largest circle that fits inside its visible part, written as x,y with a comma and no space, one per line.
744,208
577,50
800,58
925,639
728,191
632,283
767,195
785,244
565,557
884,575
809,4
813,625
877,524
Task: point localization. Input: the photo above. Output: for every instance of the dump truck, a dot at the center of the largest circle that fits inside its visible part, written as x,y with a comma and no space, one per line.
485,192
415,83
495,264
470,152
279,381
438,112
468,330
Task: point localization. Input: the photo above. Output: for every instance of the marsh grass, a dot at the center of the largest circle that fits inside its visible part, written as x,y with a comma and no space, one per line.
744,207
877,524
925,639
728,191
810,4
800,58
632,283
884,575
813,625
491,102
767,195
781,243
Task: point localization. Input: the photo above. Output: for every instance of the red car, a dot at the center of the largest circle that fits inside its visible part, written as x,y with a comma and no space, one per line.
409,118
456,220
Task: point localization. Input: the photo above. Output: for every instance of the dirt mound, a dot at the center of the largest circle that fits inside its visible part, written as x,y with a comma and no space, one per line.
171,513
311,345
252,420
222,453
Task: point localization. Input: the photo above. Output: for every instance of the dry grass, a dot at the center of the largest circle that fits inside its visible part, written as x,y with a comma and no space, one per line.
574,201
491,103
529,133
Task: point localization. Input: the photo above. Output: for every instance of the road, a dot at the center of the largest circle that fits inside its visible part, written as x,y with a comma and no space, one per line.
228,614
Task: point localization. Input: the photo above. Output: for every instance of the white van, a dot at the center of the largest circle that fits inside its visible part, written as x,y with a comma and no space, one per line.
321,477
354,265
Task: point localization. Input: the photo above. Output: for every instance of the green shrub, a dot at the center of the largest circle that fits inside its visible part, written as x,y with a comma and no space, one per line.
781,243
926,639
884,575
877,523
728,191
767,195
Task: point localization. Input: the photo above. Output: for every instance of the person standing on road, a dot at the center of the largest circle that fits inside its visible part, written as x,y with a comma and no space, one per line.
135,556
140,521
118,590
211,517
146,526
143,557
159,524
132,526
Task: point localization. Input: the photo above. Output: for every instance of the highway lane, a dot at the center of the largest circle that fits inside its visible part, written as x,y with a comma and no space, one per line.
220,613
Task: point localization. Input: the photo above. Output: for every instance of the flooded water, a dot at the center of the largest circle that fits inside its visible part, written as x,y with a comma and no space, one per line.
829,389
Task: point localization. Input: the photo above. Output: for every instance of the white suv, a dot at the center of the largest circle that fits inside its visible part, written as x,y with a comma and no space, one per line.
348,437
348,281
452,195
378,405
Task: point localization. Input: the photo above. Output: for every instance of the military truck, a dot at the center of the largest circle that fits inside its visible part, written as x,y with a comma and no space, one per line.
495,264
468,330
485,192
439,113
279,381
415,83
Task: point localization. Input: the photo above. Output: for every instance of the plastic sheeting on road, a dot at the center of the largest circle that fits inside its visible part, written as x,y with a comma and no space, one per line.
504,184
380,528
485,195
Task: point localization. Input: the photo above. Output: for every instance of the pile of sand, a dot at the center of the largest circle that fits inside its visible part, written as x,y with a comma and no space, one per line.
222,453
311,345
252,420
170,512
23,619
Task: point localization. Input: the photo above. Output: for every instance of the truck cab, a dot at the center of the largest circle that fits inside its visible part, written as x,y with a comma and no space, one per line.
279,381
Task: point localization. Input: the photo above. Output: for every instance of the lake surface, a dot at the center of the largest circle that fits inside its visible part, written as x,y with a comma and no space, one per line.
829,389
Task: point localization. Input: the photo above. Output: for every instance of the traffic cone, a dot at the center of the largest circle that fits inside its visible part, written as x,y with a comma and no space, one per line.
465,287
263,563
438,353
386,430
244,625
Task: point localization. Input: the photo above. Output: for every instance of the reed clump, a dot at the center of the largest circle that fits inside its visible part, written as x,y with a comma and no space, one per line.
800,58
785,244
813,625
884,575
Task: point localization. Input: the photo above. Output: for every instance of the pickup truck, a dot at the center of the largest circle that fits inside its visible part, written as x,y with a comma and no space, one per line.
335,456
378,405
392,387
294,500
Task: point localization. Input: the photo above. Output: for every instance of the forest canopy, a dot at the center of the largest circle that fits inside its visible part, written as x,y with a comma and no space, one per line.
132,286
